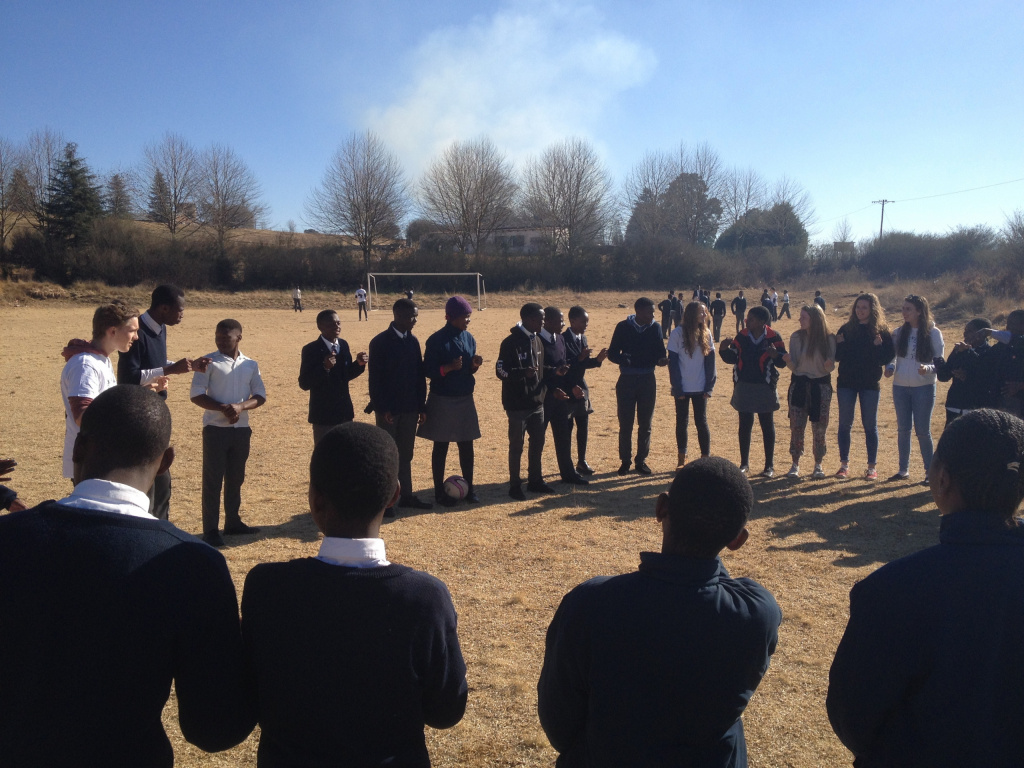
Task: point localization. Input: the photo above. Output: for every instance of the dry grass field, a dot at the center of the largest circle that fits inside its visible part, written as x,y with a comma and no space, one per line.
508,563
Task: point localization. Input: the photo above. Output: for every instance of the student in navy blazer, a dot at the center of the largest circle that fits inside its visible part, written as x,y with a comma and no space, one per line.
327,368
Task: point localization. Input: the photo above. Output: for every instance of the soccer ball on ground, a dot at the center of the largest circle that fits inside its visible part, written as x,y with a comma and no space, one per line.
456,487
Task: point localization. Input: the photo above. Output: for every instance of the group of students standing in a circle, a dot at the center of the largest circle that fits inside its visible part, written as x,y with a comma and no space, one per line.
864,350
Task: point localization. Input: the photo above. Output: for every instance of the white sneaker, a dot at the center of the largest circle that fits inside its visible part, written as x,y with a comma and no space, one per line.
768,472
794,471
819,473
744,468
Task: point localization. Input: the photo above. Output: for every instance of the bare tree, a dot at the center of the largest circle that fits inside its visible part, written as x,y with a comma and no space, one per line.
179,165
228,195
41,157
12,207
569,193
469,192
788,191
742,191
842,230
363,194
642,190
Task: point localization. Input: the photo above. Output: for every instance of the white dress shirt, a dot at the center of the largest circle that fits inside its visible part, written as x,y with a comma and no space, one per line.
108,496
228,380
354,553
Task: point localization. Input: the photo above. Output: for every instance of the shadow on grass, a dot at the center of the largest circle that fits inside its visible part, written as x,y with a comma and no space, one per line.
862,522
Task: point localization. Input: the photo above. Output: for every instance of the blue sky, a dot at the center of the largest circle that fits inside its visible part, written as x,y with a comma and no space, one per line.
854,101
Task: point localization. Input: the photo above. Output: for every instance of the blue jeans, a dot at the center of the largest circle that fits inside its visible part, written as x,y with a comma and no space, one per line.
914,408
868,418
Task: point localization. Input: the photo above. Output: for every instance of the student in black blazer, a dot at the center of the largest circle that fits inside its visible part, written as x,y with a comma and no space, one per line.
578,353
327,368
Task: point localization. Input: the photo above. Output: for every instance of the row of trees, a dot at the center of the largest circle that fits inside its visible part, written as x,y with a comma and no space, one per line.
45,183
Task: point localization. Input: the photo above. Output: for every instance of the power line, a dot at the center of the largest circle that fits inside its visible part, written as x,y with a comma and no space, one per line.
927,197
883,202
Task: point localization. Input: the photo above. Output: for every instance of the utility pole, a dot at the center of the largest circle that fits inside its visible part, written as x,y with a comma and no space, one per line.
882,203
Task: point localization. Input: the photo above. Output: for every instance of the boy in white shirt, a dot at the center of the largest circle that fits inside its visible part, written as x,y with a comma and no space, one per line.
227,389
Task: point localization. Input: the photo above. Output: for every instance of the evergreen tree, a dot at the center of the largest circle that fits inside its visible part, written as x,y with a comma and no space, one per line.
73,200
159,208
117,198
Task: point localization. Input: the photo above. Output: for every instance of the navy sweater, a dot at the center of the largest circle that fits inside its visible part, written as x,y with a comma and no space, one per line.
397,383
929,670
860,360
149,351
634,349
443,347
348,664
654,668
99,612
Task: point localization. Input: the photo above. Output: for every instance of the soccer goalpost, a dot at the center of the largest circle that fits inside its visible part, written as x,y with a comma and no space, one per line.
371,284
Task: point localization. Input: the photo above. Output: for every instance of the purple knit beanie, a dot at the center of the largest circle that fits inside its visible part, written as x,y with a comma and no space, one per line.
458,307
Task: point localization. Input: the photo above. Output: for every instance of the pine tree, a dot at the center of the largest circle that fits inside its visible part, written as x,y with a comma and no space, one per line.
74,201
159,208
117,198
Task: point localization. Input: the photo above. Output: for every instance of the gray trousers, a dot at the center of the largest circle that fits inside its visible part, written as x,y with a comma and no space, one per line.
403,432
225,451
521,423
635,396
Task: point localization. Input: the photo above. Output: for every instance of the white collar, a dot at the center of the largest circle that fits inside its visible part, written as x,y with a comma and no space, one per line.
108,496
398,332
529,334
760,338
547,335
330,344
220,356
153,325
354,553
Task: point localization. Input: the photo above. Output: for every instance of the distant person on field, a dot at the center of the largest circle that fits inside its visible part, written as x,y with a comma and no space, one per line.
775,305
637,347
88,370
450,362
398,391
326,368
146,362
784,310
581,359
654,668
102,607
361,303
756,353
408,294
350,655
227,389
819,300
297,299
739,309
929,669
520,367
677,309
665,307
717,309
811,358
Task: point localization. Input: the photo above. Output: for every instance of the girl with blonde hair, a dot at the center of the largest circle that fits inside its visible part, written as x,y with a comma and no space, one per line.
863,347
691,371
812,356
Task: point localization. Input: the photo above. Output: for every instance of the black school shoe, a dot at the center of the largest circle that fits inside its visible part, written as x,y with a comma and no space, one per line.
576,480
516,492
540,487
584,469
442,498
624,468
240,529
214,539
643,469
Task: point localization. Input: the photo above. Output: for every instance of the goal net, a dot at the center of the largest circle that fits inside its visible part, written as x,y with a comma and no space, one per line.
391,285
